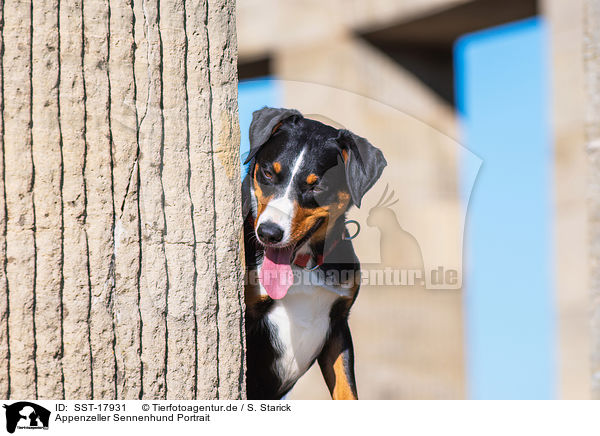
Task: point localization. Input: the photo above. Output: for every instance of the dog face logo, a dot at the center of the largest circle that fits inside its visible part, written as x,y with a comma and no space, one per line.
26,415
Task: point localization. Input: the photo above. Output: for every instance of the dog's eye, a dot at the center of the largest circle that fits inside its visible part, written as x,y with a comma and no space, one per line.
268,175
317,189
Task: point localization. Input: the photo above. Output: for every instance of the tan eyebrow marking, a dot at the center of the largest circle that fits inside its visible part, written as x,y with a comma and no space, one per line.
277,167
262,200
277,126
345,155
311,179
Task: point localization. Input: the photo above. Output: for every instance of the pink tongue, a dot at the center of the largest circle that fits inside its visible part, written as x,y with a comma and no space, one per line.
276,273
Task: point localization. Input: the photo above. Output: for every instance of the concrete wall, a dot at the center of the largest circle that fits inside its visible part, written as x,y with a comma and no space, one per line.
269,26
315,42
120,202
408,342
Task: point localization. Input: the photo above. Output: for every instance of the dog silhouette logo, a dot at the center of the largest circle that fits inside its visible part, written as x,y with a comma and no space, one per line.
26,415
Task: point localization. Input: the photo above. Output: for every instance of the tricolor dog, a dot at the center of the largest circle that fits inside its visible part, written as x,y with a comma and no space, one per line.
302,273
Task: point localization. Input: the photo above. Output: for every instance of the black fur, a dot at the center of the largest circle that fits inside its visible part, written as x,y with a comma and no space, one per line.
344,163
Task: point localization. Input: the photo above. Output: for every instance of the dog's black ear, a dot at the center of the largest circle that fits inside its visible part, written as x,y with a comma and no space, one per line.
364,164
264,122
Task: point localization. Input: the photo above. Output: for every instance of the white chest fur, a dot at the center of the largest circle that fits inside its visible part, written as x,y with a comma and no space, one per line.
301,323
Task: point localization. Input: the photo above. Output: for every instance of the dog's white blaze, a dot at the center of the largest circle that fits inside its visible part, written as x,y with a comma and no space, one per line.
301,320
280,210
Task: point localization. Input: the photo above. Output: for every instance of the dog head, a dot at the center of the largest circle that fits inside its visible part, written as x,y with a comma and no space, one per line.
304,177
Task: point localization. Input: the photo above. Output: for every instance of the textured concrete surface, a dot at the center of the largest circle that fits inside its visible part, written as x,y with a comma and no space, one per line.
120,267
565,27
592,76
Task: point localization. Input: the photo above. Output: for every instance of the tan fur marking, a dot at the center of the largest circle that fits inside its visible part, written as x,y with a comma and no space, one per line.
277,126
261,200
343,200
305,219
341,389
311,179
252,296
277,167
345,155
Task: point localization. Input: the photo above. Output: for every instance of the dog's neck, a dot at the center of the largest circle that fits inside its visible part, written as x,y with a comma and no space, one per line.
315,251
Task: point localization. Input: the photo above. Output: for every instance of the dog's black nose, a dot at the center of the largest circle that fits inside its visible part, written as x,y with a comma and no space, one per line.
269,233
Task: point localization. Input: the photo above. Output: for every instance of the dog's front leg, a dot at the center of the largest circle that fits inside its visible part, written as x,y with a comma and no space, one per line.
337,363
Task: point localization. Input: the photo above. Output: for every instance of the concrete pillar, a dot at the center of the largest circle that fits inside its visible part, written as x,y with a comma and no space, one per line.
564,22
120,203
592,75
